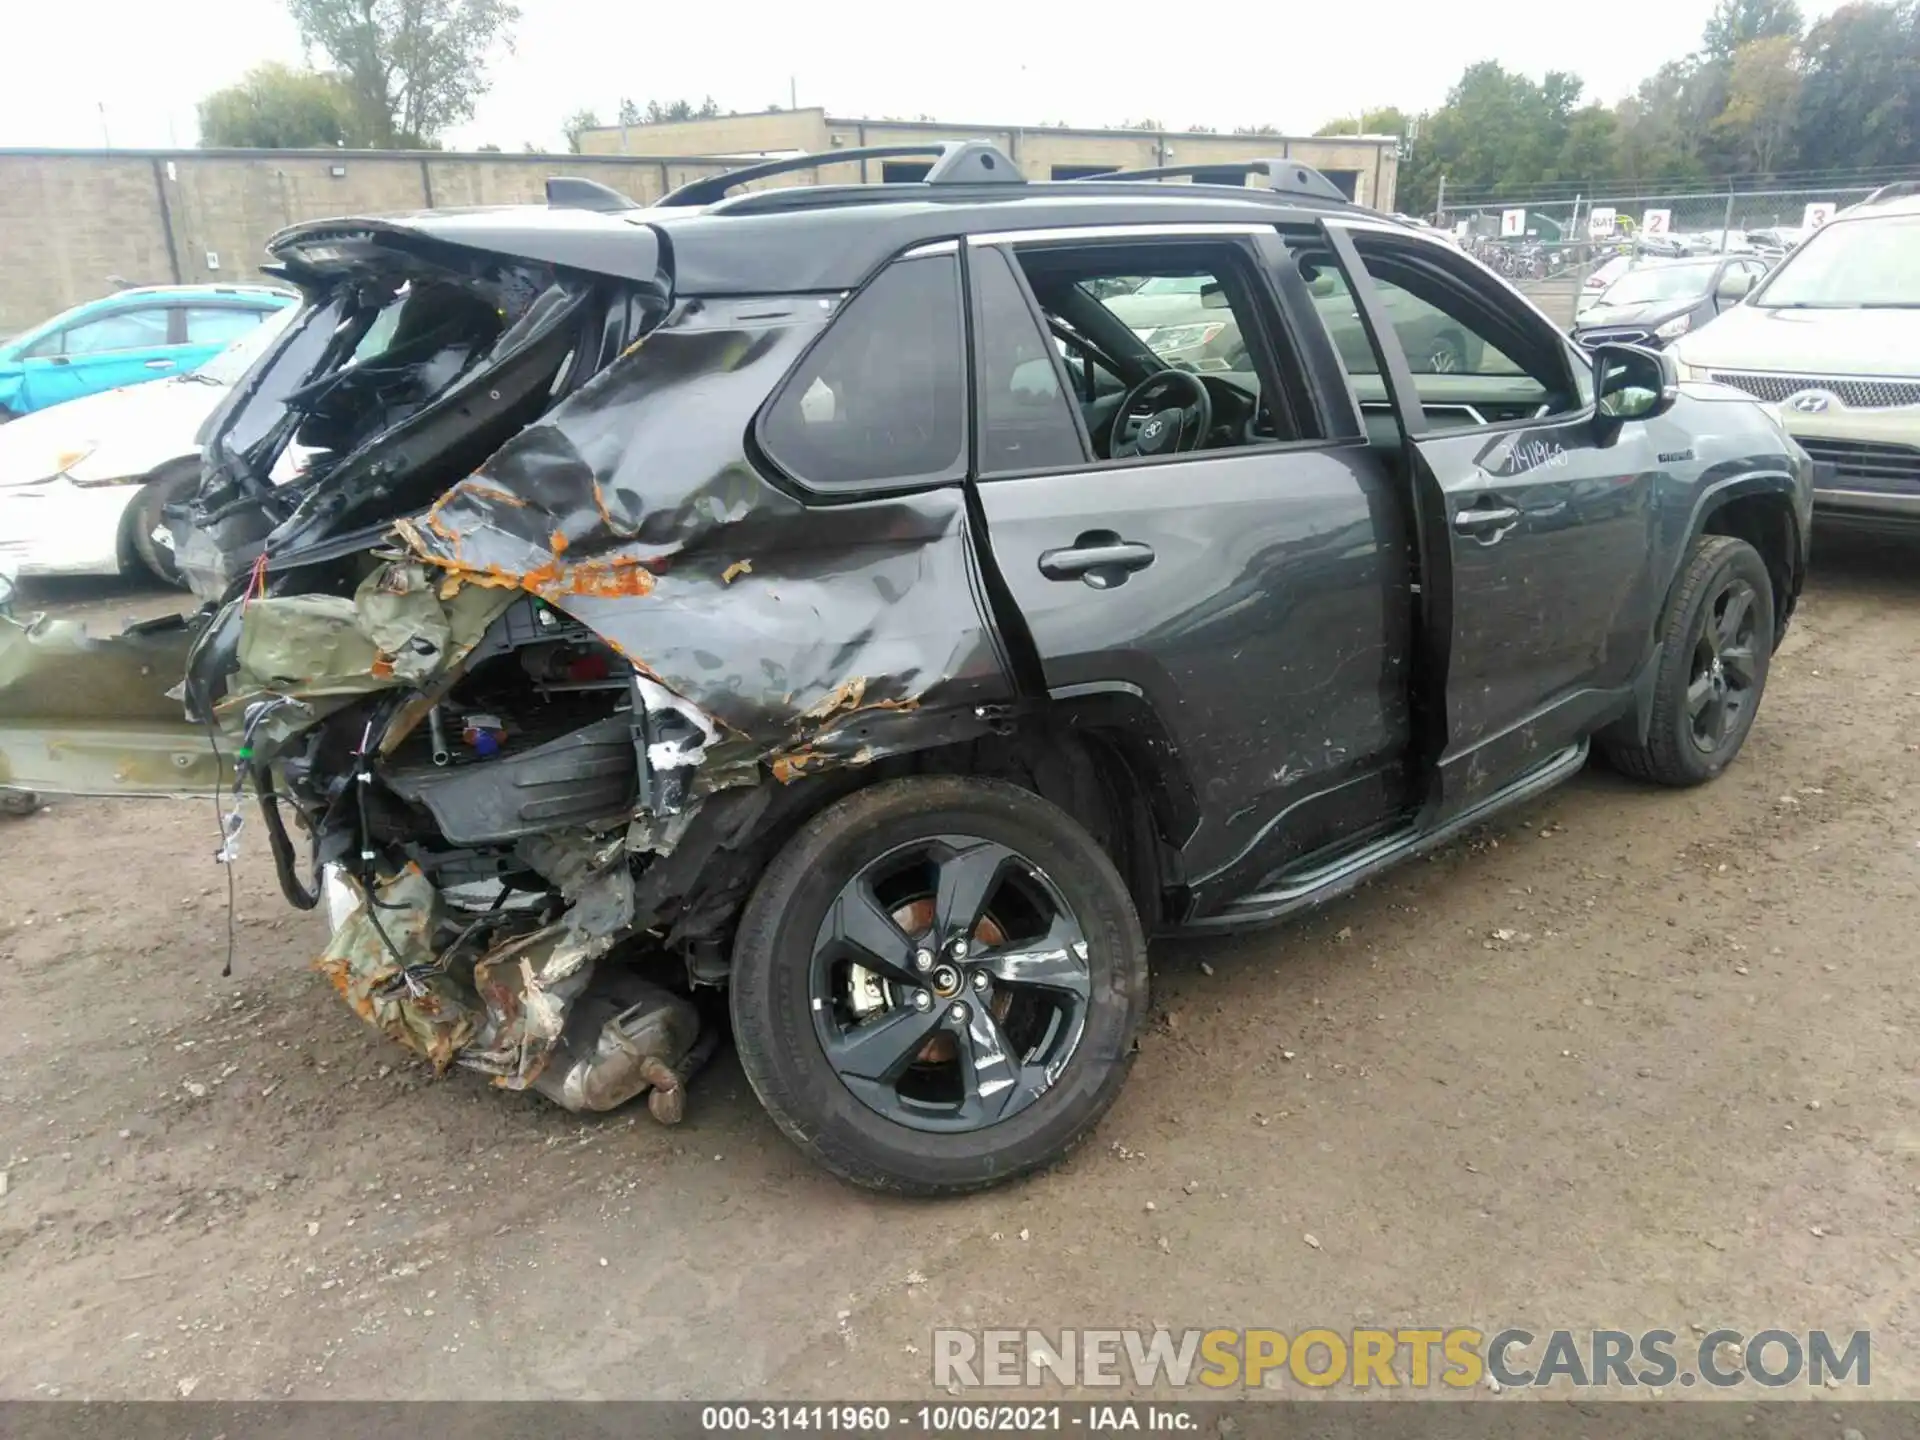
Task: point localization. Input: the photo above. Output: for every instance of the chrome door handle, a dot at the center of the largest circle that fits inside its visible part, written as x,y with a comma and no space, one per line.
159,364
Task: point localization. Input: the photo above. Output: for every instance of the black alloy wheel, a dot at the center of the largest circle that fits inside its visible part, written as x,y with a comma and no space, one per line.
937,984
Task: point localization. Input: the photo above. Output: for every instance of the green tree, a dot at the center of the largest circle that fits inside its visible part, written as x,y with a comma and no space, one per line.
1248,129
276,107
412,67
1860,92
574,124
1763,103
1735,23
1388,120
657,114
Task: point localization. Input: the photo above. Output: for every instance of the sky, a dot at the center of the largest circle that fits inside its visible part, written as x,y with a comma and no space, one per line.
128,72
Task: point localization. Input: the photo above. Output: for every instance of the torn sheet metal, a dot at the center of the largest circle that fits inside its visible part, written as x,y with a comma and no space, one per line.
385,967
805,636
328,651
81,715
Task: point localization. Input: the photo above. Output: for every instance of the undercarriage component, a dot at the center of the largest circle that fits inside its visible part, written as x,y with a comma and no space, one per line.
622,1037
581,777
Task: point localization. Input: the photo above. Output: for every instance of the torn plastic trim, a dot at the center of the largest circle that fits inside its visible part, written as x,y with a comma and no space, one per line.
620,246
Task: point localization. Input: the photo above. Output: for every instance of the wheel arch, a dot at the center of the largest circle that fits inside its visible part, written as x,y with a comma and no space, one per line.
126,548
1759,509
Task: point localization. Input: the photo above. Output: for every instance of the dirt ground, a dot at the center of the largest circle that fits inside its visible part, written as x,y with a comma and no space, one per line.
1630,1058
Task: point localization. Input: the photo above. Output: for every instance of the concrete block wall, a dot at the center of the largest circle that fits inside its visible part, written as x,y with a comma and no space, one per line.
75,225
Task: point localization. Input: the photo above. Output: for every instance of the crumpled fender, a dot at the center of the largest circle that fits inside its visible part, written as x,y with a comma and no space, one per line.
810,634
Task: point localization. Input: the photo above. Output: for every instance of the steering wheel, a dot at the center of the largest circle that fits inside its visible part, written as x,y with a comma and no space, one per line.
1154,420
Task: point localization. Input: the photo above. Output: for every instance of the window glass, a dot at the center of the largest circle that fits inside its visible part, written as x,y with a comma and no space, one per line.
1166,346
882,396
1025,422
127,330
1434,341
1872,263
208,325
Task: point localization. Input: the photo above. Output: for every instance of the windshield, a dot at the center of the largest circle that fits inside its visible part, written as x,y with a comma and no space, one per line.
1659,282
230,364
1868,263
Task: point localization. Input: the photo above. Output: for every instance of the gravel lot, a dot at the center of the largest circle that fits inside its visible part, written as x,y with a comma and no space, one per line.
1630,1058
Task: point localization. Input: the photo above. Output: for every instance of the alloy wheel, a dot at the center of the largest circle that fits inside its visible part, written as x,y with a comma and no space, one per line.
949,984
1721,679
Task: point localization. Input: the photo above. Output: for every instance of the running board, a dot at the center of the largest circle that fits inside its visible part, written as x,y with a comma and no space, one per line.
1316,887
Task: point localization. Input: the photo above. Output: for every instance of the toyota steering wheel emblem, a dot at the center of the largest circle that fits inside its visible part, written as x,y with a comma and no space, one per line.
1152,431
1811,402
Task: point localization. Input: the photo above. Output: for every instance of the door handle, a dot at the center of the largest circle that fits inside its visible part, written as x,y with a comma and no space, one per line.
1488,524
159,364
1100,558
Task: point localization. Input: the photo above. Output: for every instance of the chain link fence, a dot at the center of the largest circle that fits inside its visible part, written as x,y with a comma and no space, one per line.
1536,237
1550,244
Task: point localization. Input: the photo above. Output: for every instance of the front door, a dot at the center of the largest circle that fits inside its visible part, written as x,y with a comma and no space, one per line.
1540,519
126,347
1190,546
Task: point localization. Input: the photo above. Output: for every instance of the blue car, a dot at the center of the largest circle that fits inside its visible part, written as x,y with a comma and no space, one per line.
135,335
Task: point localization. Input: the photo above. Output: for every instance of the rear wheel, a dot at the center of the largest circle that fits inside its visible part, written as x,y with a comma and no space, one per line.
937,985
1718,638
171,483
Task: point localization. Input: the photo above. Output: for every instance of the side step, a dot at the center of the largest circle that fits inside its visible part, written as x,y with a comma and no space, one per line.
1316,887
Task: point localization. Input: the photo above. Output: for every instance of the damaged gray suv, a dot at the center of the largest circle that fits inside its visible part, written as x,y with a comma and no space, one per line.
822,599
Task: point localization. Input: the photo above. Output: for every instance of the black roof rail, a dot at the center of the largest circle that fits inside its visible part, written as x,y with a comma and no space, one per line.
959,162
570,192
1287,176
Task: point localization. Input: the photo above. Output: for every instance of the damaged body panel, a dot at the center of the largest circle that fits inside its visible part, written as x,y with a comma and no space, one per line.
789,595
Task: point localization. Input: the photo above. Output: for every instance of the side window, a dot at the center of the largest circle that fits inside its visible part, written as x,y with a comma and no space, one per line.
1435,342
1025,422
881,397
128,330
208,325
1169,347
1477,354
45,347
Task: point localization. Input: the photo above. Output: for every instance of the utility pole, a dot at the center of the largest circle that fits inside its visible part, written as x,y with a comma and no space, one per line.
106,137
1440,204
793,93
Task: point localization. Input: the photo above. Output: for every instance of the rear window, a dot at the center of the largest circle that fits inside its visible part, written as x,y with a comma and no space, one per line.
880,401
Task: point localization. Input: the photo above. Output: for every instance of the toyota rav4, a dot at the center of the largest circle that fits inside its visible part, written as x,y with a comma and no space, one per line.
825,598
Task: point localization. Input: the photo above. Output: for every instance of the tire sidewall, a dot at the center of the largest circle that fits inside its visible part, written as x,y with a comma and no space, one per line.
143,515
772,980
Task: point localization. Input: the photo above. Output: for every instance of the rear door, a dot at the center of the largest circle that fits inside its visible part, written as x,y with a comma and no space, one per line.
1540,526
1238,603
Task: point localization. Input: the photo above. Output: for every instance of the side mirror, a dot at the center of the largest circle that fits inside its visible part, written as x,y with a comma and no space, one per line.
1322,284
1213,296
1633,384
1733,285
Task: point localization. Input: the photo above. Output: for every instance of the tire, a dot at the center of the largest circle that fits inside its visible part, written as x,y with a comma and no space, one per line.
1703,667
143,517
784,1037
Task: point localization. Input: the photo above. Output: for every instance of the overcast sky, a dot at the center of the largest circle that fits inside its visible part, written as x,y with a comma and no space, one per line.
1292,66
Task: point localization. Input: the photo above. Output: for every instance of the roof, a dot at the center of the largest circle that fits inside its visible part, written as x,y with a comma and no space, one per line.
813,238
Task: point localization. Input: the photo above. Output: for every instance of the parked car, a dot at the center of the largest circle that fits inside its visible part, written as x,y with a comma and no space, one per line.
1608,271
1832,337
127,338
83,484
1665,299
746,592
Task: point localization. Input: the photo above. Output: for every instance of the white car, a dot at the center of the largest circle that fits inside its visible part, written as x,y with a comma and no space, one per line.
1832,338
82,484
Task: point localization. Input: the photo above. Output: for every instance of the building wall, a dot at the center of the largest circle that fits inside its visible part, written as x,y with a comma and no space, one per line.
74,225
